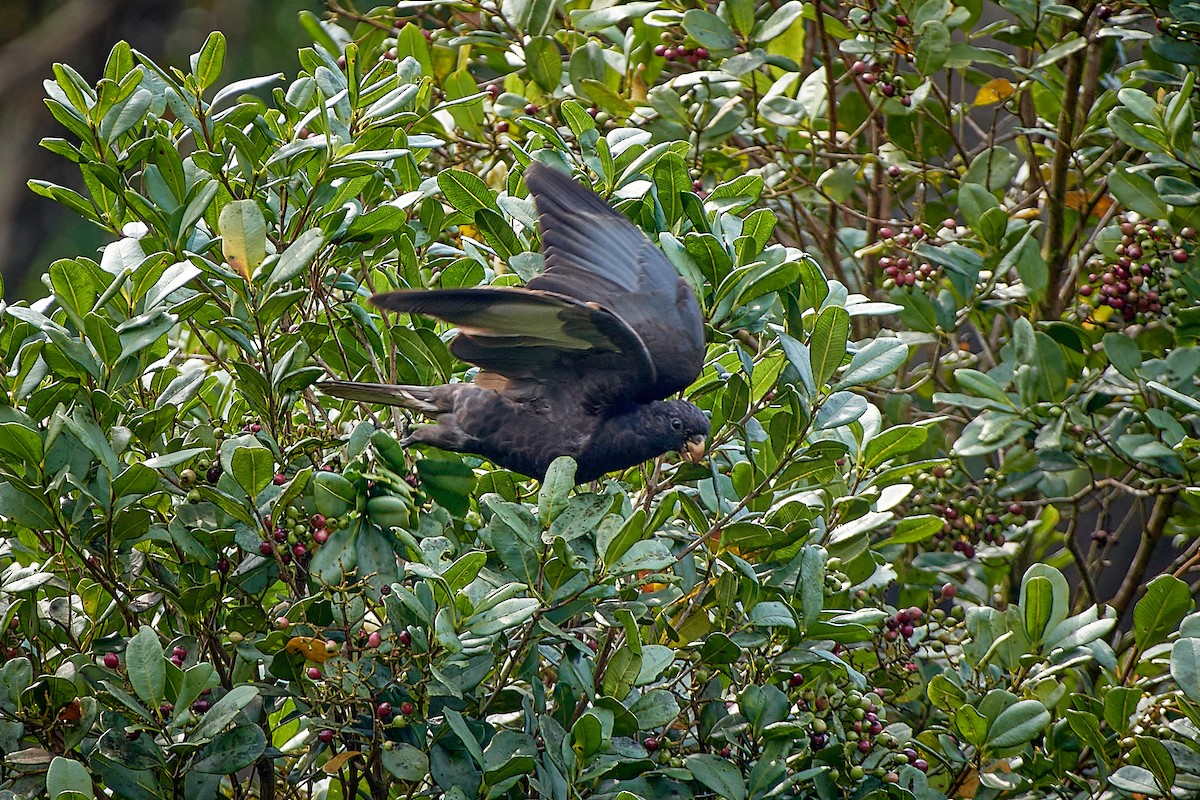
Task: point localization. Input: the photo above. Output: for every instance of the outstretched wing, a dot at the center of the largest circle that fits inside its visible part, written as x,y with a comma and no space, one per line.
523,335
597,256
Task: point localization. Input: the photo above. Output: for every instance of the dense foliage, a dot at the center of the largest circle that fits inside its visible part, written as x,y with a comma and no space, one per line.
947,260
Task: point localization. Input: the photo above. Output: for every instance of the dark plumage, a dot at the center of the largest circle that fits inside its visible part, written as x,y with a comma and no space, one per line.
576,363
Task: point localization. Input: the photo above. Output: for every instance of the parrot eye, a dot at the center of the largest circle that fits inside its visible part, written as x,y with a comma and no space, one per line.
677,423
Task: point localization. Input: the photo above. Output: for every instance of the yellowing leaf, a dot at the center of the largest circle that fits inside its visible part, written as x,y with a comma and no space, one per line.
335,764
311,648
997,90
1080,201
243,236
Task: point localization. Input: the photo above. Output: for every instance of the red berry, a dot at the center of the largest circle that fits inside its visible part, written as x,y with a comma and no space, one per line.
893,171
1179,256
921,764
325,736
859,67
314,673
532,108
256,428
660,50
281,536
299,550
886,233
864,745
317,520
265,548
901,21
320,536
795,680
383,710
502,127
222,565
650,743
407,708
375,639
280,479
949,590
200,706
405,638
1015,508
868,79
214,473
111,661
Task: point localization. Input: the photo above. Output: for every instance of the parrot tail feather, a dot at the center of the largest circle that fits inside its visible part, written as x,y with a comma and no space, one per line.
415,398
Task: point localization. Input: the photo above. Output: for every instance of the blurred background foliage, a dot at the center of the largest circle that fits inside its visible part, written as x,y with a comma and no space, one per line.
34,34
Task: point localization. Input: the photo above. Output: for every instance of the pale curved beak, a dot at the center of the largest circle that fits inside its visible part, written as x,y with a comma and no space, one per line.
693,450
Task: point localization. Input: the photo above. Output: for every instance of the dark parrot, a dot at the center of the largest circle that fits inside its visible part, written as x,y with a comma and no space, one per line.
577,363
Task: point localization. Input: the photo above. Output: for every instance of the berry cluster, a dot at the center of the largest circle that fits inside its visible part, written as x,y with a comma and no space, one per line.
842,714
875,76
296,535
692,55
901,266
971,512
1138,282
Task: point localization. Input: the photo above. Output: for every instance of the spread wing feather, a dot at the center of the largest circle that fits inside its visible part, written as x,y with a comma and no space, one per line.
597,255
608,305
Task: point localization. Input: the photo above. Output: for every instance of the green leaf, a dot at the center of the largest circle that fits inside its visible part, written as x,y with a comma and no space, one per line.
1037,603
1026,258
231,751
449,483
1185,666
915,529
983,385
1123,353
1046,595
405,762
1135,191
671,181
1019,723
933,49
1136,781
828,343
892,442
544,62
878,359
210,60
243,236
252,468
466,192
1177,191
1156,757
504,615
223,711
333,494
21,441
779,22
709,30
298,255
1166,602
717,774
556,488
146,666
68,778
73,288
622,672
